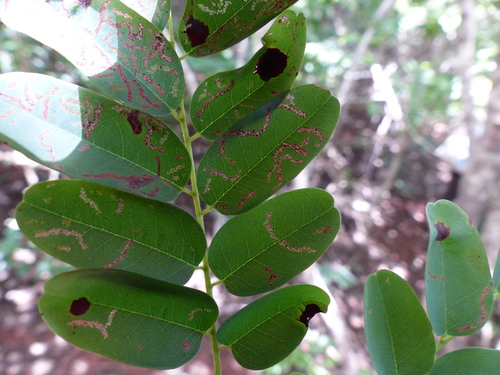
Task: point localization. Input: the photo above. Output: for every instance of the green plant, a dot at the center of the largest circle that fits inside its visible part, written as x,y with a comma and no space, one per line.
135,251
459,294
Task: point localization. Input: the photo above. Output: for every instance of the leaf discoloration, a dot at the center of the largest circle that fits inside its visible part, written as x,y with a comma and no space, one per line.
285,244
79,306
95,324
196,31
271,64
443,232
64,232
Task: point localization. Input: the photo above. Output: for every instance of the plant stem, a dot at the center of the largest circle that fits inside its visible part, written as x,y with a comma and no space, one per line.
443,340
181,117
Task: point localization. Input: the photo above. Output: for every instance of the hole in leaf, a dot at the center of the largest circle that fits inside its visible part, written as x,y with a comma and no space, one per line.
134,122
196,31
308,313
271,64
79,306
443,231
84,3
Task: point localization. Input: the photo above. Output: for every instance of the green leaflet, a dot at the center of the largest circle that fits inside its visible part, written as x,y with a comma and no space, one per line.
85,135
459,288
93,226
128,317
155,11
226,97
122,53
270,328
262,153
264,248
208,27
398,332
470,361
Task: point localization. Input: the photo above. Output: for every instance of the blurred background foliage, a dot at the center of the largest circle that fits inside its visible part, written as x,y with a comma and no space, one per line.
413,104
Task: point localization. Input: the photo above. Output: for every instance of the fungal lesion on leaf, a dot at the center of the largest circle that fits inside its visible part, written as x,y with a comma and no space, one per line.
271,64
196,31
443,231
79,306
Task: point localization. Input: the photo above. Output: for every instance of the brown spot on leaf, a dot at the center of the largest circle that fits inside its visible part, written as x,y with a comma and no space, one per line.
134,122
308,313
272,275
484,312
196,31
443,231
466,328
79,306
271,64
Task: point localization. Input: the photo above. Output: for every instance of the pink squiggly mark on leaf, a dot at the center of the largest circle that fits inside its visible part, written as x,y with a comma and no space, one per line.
213,97
245,198
466,328
186,345
45,145
157,47
192,313
285,244
95,324
122,256
323,230
223,175
272,275
90,202
64,232
313,131
140,89
135,181
245,133
293,109
89,125
121,206
435,277
84,147
484,312
153,83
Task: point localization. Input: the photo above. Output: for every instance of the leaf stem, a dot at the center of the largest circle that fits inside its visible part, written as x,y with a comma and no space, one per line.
443,340
194,192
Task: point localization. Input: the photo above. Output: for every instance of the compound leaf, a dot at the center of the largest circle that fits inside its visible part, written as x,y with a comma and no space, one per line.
224,98
264,248
85,135
121,52
128,317
459,288
470,361
208,27
398,332
260,154
94,226
270,328
155,11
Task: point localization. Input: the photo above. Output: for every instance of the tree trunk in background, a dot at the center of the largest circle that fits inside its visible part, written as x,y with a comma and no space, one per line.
479,189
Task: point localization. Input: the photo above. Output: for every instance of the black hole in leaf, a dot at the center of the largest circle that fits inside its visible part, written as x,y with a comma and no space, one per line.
134,122
308,313
196,31
84,3
443,231
271,64
79,306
